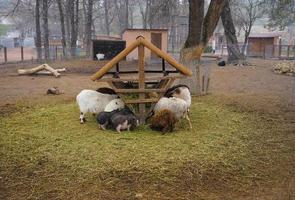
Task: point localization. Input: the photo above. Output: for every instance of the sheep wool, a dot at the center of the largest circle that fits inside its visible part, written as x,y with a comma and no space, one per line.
93,102
180,91
114,105
176,105
163,121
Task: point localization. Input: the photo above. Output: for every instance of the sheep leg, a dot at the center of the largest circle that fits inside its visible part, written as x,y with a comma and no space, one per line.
103,127
189,121
165,130
82,118
128,127
118,129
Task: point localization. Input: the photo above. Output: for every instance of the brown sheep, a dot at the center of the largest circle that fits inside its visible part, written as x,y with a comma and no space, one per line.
163,120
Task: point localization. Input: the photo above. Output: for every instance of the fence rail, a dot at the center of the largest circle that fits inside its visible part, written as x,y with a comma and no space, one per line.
266,52
24,54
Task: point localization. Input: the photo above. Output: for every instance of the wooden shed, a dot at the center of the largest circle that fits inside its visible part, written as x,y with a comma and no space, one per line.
263,44
158,37
109,48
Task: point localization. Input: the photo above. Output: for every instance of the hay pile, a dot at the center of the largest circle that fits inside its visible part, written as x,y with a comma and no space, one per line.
287,68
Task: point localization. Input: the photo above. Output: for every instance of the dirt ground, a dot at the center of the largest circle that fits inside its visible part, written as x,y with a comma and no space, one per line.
256,85
253,88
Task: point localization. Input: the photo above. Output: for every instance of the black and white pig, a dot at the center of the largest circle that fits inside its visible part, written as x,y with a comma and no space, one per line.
118,120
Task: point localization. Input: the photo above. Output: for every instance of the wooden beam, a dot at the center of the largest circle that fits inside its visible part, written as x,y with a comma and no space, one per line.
140,101
139,90
22,53
137,79
141,82
184,70
5,54
115,60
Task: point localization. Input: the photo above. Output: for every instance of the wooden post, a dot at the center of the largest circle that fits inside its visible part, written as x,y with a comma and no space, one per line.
22,53
163,65
141,82
5,54
207,86
203,83
288,51
280,47
264,51
117,68
55,52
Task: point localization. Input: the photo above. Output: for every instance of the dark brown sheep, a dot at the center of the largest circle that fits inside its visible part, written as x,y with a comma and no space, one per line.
163,121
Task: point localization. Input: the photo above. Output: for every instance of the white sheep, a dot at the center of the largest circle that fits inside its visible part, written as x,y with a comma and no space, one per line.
93,102
177,106
180,91
114,105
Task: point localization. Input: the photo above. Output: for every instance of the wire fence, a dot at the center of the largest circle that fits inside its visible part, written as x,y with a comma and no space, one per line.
26,54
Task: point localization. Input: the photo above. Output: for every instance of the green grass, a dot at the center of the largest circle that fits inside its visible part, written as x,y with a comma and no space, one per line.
45,153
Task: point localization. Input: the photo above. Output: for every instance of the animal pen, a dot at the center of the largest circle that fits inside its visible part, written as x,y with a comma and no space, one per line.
140,88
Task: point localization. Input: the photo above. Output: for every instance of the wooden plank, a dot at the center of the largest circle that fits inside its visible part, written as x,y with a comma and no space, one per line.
137,79
5,54
115,60
22,53
184,70
140,101
141,82
139,90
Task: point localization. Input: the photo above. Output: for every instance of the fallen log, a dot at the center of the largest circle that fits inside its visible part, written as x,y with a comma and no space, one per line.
46,67
49,73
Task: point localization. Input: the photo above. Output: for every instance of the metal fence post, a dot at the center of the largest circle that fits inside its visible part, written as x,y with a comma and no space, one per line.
22,53
5,54
56,53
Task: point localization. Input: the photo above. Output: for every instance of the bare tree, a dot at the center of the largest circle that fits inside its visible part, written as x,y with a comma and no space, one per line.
73,12
122,10
62,25
281,13
38,42
45,7
109,14
245,15
199,33
234,55
88,26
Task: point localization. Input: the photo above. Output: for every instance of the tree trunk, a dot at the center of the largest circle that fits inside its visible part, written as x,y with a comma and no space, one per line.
45,29
106,17
196,17
131,17
68,25
38,42
234,54
74,8
88,32
199,34
126,15
62,26
247,33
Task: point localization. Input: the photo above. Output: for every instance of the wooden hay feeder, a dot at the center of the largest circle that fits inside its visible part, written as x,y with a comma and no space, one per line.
141,86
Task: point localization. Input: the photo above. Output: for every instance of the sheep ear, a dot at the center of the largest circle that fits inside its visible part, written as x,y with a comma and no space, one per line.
177,91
